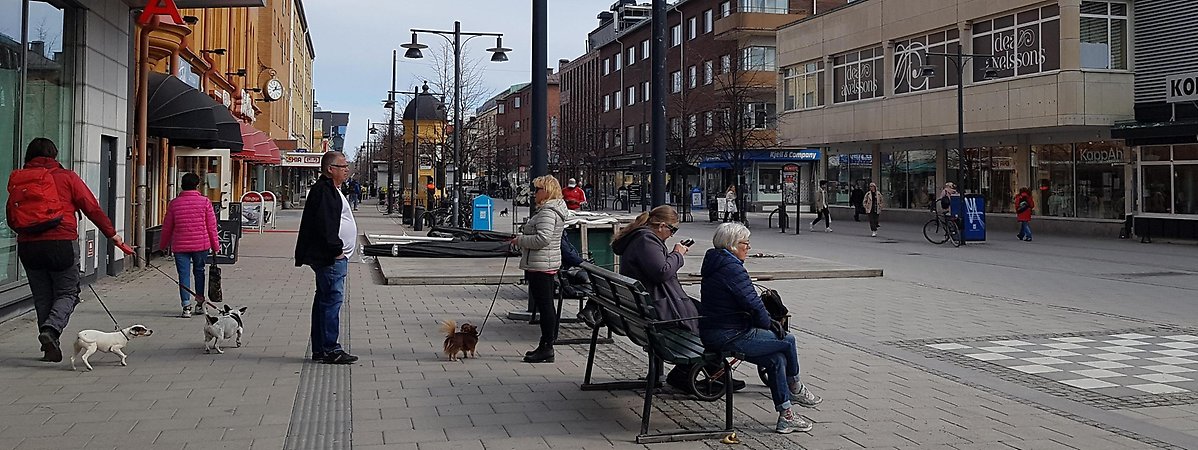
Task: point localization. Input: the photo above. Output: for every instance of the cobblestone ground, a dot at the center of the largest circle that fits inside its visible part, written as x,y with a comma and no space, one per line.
888,355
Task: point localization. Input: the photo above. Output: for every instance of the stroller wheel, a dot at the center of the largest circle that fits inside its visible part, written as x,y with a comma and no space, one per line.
705,382
764,375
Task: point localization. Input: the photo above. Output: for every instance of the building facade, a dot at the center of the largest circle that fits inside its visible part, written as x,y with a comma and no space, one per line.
64,75
513,122
868,83
579,149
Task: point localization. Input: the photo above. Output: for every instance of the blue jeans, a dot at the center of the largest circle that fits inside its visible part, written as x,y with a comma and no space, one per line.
759,346
1025,230
326,307
186,264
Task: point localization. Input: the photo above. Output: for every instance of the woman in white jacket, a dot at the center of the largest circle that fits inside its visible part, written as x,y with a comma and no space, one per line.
540,244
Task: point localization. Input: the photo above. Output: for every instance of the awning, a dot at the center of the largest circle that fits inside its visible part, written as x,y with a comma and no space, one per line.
259,148
1159,133
187,117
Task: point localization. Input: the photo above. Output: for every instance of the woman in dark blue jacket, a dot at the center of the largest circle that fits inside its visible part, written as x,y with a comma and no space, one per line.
734,318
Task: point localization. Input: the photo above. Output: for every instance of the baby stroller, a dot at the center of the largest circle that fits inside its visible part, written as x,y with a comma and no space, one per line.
705,378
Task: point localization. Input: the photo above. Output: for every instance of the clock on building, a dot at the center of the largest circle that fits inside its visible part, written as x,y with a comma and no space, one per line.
274,90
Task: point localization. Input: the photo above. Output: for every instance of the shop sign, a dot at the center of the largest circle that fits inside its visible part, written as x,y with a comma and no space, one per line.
252,209
857,160
1023,43
187,73
1102,156
857,75
160,7
1181,87
801,155
301,160
247,104
790,184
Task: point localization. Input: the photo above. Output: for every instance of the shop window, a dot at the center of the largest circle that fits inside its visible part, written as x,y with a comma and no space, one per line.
1054,180
845,171
1104,35
909,178
1158,188
769,181
1169,180
1185,179
857,75
1024,43
911,54
1099,174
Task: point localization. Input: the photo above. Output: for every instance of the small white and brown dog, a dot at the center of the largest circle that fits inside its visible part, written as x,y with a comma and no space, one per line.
90,341
226,325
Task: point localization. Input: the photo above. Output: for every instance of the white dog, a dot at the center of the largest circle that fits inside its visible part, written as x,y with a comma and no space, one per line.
89,341
226,325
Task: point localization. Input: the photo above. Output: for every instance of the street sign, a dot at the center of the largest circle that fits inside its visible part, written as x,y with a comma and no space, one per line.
1181,87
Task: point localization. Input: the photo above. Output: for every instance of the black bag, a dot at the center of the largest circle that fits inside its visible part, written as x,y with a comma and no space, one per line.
774,306
214,292
575,282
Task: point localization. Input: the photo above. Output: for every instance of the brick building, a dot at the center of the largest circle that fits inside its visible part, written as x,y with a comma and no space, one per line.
513,122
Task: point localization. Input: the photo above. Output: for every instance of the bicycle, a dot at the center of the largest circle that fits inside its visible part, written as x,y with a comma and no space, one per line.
942,228
382,205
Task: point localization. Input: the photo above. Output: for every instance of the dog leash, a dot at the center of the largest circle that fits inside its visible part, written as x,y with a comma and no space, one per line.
199,298
498,286
114,322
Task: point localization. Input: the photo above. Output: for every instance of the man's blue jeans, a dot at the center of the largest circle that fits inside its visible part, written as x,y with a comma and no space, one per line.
326,307
1025,230
761,347
186,264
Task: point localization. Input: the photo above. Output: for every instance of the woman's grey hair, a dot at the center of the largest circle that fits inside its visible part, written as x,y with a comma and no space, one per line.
728,234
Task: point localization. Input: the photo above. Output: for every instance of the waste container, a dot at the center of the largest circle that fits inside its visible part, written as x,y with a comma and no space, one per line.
418,219
598,243
971,208
484,208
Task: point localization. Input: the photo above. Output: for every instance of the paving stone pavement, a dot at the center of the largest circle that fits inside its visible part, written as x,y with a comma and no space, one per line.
856,351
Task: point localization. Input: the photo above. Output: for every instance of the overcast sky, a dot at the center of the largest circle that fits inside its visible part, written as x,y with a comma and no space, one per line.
354,39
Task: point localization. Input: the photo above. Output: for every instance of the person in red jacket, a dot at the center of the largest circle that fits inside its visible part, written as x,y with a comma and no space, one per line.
1024,204
51,258
189,231
574,195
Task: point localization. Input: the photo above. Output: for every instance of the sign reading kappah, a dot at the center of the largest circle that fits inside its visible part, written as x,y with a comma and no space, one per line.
1181,87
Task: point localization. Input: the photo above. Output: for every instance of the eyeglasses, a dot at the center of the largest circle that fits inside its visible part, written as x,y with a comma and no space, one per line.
343,166
673,229
744,243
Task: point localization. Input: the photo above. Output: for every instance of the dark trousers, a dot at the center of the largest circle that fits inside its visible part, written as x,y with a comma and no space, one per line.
53,271
326,307
873,221
824,216
858,210
540,292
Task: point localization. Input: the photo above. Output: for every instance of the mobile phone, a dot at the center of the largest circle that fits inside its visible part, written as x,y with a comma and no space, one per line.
688,242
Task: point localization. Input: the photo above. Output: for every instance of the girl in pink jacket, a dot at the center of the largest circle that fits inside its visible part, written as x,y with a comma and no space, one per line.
189,231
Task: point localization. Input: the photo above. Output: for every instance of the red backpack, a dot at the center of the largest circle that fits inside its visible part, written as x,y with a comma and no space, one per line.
34,205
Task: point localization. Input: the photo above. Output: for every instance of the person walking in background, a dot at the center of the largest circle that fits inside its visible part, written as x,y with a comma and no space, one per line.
1024,204
855,200
328,236
355,193
46,243
873,204
730,203
574,196
189,231
821,207
541,257
734,318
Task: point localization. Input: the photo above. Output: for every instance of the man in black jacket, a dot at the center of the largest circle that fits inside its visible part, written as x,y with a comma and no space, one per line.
327,239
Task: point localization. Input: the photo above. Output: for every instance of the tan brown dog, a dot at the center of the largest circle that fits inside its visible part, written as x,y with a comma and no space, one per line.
463,341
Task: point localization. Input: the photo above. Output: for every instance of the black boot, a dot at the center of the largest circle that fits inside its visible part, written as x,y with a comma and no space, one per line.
49,339
590,314
540,347
543,354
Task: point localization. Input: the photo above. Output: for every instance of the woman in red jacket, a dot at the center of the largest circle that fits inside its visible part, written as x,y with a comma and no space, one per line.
51,257
189,231
1024,204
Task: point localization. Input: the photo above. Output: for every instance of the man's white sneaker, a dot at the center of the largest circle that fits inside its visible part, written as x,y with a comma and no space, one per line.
874,234
789,422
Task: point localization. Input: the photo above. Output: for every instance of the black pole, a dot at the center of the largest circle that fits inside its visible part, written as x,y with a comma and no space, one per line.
391,138
457,119
540,91
963,163
658,94
415,152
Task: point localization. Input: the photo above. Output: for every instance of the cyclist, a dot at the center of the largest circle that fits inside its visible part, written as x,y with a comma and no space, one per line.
944,203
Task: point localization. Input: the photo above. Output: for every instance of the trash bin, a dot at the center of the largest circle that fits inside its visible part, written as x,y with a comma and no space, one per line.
971,209
713,210
484,208
598,244
418,219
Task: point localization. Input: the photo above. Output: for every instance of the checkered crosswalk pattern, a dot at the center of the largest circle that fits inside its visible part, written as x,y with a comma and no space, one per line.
1117,365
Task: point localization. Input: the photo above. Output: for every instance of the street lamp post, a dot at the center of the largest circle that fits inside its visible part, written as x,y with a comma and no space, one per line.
498,54
959,59
390,104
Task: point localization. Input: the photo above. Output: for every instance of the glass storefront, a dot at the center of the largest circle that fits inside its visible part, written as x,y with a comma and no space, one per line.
909,178
1080,180
1169,179
844,172
39,64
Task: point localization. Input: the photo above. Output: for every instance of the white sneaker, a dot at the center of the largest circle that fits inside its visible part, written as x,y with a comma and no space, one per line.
874,234
803,396
789,422
186,311
828,230
811,228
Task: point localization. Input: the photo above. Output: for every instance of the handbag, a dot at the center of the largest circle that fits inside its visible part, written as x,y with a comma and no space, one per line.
214,292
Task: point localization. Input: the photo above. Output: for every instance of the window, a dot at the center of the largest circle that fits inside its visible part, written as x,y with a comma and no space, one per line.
501,108
606,139
676,81
631,55
725,63
501,131
908,178
693,76
1104,35
516,103
616,97
617,141
645,49
707,75
645,91
692,126
607,103
848,170
630,135
631,95
708,122
910,54
759,116
857,75
1169,177
676,35
726,9
758,58
765,6
1024,43
707,21
693,27
802,86
676,126
516,125
617,61
645,133
606,66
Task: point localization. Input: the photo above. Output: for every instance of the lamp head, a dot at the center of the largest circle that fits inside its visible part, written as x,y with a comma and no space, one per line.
215,51
499,52
926,71
991,72
414,48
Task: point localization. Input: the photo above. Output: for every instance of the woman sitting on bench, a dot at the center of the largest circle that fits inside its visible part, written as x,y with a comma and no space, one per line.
735,319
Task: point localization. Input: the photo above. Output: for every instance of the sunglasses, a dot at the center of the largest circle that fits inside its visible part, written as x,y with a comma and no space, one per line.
673,229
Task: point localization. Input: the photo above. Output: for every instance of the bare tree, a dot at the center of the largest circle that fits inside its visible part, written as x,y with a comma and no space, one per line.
473,94
746,119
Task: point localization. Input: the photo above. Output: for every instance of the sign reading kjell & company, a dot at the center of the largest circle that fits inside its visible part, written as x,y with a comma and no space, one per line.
1181,87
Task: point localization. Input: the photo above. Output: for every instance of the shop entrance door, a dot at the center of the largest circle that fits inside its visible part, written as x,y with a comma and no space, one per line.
108,195
213,168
